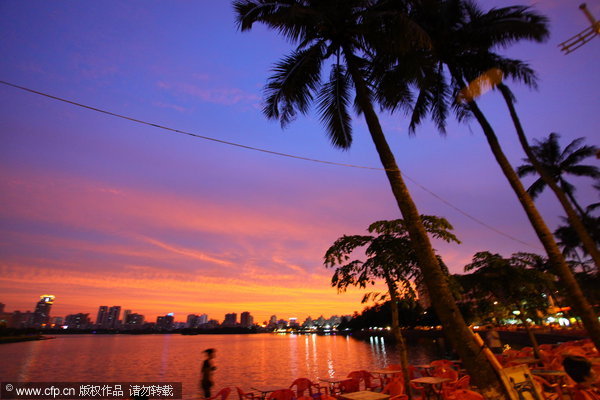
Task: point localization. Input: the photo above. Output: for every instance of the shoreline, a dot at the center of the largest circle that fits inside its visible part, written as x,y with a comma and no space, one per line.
17,339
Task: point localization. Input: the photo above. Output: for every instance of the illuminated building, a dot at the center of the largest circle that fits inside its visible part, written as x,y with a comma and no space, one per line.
165,322
112,319
41,315
78,321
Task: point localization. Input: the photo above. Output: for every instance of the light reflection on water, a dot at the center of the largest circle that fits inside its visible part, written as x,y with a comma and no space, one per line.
242,360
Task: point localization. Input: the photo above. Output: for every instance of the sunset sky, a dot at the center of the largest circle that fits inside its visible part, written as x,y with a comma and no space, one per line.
98,210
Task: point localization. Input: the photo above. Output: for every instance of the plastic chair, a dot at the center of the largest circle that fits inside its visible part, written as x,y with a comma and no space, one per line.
443,363
550,391
246,395
315,391
367,378
464,394
281,394
583,394
348,386
395,388
221,394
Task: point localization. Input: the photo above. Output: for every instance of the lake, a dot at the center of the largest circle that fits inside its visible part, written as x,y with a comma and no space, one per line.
241,360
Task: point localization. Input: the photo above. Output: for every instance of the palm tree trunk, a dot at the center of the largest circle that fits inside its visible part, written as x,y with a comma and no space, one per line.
576,298
530,334
481,371
400,342
574,220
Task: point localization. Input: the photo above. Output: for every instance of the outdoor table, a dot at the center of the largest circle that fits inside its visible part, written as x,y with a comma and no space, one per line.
424,368
429,383
383,373
526,360
333,381
364,395
553,376
264,390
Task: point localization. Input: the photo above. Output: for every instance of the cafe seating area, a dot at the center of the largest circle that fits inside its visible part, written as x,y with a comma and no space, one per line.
440,379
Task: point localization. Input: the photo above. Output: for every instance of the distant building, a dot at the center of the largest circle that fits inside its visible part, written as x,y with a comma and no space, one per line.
78,321
125,314
202,319
273,319
165,322
246,319
102,316
230,319
56,321
293,323
134,321
2,308
41,315
112,321
192,321
20,319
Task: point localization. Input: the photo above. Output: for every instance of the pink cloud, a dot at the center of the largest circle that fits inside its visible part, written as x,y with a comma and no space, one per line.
223,96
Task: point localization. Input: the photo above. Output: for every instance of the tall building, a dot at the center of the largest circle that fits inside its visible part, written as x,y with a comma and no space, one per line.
112,319
102,315
192,321
125,314
230,319
41,315
247,320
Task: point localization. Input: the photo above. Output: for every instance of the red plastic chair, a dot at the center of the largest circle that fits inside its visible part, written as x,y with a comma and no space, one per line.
221,394
304,385
349,386
367,378
281,394
463,394
584,394
548,390
395,388
246,396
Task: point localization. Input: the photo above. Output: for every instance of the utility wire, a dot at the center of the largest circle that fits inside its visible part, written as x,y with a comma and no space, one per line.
270,152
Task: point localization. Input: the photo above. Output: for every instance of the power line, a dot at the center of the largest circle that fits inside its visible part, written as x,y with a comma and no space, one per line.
269,152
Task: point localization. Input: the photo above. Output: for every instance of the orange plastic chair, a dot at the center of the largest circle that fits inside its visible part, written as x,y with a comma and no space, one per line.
281,394
549,390
395,388
349,386
584,394
367,378
246,396
463,383
221,394
303,385
463,394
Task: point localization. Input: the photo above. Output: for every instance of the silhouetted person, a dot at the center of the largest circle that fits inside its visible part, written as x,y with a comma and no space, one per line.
207,372
580,370
492,339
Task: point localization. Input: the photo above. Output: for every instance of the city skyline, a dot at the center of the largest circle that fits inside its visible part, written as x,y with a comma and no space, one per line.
108,317
95,207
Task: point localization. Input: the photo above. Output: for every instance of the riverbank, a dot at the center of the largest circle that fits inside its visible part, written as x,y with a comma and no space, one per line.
28,338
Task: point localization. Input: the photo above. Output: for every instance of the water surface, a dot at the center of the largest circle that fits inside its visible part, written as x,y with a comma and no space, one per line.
242,360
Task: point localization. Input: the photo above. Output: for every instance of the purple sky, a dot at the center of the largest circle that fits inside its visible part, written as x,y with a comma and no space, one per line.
100,211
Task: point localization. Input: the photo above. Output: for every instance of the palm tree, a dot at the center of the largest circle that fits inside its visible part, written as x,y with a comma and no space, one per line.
562,189
391,257
343,33
462,40
560,162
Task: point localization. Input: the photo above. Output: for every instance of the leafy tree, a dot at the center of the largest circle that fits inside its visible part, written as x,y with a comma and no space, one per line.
511,283
460,61
342,34
391,257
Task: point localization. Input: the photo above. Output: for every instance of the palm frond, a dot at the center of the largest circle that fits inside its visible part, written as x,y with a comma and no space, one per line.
334,99
292,86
